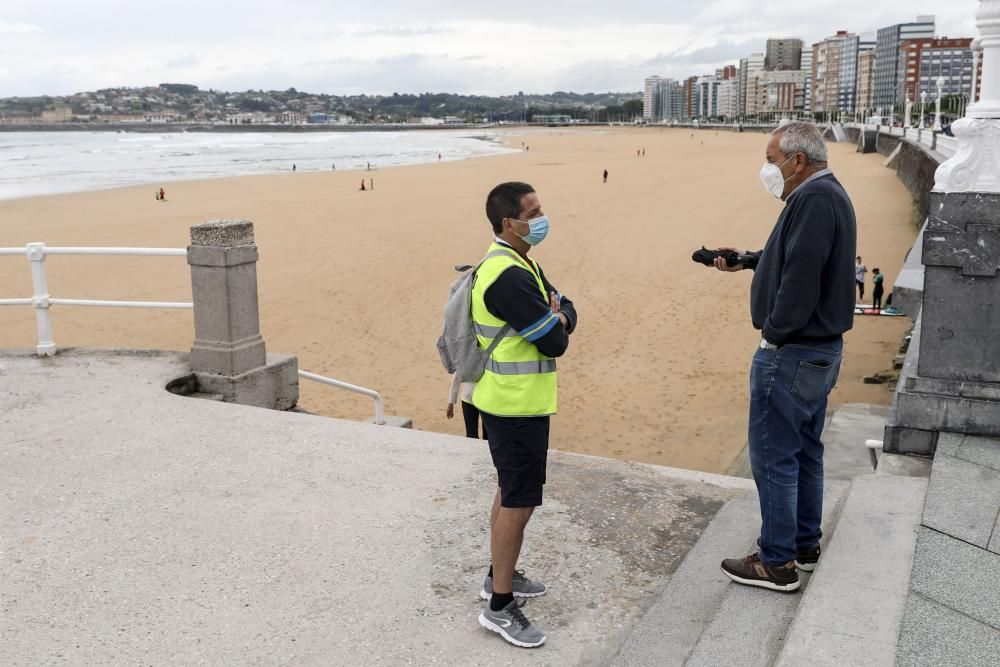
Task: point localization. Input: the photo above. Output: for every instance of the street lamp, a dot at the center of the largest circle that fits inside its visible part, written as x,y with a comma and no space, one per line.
937,104
923,108
909,112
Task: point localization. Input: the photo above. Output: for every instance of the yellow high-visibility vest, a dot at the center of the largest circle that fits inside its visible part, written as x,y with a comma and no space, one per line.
519,381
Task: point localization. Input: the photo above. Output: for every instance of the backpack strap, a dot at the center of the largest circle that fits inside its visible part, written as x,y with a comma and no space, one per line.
506,327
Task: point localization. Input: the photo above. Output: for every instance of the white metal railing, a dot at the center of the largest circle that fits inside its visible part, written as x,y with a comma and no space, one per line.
379,406
936,141
873,446
41,300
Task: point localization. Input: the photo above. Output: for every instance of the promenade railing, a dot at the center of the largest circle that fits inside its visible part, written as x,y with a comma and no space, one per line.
42,301
936,141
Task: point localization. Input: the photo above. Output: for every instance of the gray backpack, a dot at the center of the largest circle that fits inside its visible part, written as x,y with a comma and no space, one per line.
458,346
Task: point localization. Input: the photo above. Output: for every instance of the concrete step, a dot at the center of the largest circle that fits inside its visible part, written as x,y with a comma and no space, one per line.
701,617
854,608
750,624
670,628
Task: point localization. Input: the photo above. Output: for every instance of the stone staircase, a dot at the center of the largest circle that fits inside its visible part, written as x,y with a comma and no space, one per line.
848,612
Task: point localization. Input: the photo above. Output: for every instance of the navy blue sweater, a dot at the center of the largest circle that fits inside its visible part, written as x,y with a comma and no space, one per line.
803,283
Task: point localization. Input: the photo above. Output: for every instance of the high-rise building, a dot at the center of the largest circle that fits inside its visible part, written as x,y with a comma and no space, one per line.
924,60
807,67
662,99
728,103
847,86
706,94
690,84
784,90
783,54
888,78
671,100
827,57
651,98
866,72
750,67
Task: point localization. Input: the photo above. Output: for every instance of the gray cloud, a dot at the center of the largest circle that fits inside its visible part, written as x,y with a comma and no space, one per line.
60,46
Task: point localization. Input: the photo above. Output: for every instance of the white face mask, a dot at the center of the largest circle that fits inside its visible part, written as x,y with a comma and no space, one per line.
770,176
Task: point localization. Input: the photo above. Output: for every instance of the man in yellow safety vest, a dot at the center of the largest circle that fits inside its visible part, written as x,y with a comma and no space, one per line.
517,393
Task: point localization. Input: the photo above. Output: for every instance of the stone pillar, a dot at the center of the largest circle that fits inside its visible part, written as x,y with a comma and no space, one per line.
228,356
954,384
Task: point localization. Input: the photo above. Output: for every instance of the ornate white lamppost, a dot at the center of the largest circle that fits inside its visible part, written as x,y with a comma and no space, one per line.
909,112
977,52
937,104
923,108
975,166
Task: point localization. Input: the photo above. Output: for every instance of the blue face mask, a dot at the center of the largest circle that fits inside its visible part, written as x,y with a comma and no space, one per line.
538,229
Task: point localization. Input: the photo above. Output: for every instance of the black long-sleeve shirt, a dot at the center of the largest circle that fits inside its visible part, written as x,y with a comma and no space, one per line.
803,284
515,298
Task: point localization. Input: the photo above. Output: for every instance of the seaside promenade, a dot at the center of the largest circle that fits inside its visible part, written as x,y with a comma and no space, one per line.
142,527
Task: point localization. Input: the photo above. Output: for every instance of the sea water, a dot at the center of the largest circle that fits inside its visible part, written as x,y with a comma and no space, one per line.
41,163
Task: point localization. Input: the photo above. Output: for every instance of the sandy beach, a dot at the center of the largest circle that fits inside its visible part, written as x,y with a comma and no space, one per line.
354,282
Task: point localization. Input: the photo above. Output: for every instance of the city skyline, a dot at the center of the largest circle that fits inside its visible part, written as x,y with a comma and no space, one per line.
343,48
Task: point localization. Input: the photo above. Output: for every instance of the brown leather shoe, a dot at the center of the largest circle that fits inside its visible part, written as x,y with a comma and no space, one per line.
752,571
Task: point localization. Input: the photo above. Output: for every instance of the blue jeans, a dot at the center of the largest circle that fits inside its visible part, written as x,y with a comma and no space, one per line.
788,393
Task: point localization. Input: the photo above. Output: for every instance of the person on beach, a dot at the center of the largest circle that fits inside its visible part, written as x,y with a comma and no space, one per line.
362,185
859,277
517,393
877,290
605,175
469,412
371,183
163,195
802,300
293,166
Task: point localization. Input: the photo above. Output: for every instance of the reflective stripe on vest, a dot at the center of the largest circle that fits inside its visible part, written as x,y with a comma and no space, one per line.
521,367
486,331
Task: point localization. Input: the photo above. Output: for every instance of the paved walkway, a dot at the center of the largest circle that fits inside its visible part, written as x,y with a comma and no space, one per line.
953,607
140,527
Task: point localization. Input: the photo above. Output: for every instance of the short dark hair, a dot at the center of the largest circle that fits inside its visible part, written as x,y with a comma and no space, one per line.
877,270
504,201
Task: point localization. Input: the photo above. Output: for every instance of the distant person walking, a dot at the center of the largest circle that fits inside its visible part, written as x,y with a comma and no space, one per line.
802,300
363,185
293,166
371,183
470,412
517,393
877,290
605,175
163,195
859,277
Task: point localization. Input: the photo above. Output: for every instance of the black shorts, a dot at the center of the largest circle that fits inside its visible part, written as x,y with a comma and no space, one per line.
520,447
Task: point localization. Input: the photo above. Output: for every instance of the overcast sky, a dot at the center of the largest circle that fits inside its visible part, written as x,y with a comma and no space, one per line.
385,46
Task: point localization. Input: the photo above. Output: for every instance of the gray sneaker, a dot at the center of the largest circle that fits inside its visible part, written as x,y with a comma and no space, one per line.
523,587
511,624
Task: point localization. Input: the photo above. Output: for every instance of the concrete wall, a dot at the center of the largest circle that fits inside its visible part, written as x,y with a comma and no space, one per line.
914,165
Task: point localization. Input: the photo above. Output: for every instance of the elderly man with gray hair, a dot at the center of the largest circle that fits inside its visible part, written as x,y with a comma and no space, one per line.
802,301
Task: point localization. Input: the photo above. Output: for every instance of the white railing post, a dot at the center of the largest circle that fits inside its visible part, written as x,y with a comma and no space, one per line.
40,299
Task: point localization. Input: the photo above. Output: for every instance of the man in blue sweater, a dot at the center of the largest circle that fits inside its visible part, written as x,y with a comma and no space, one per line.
802,301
